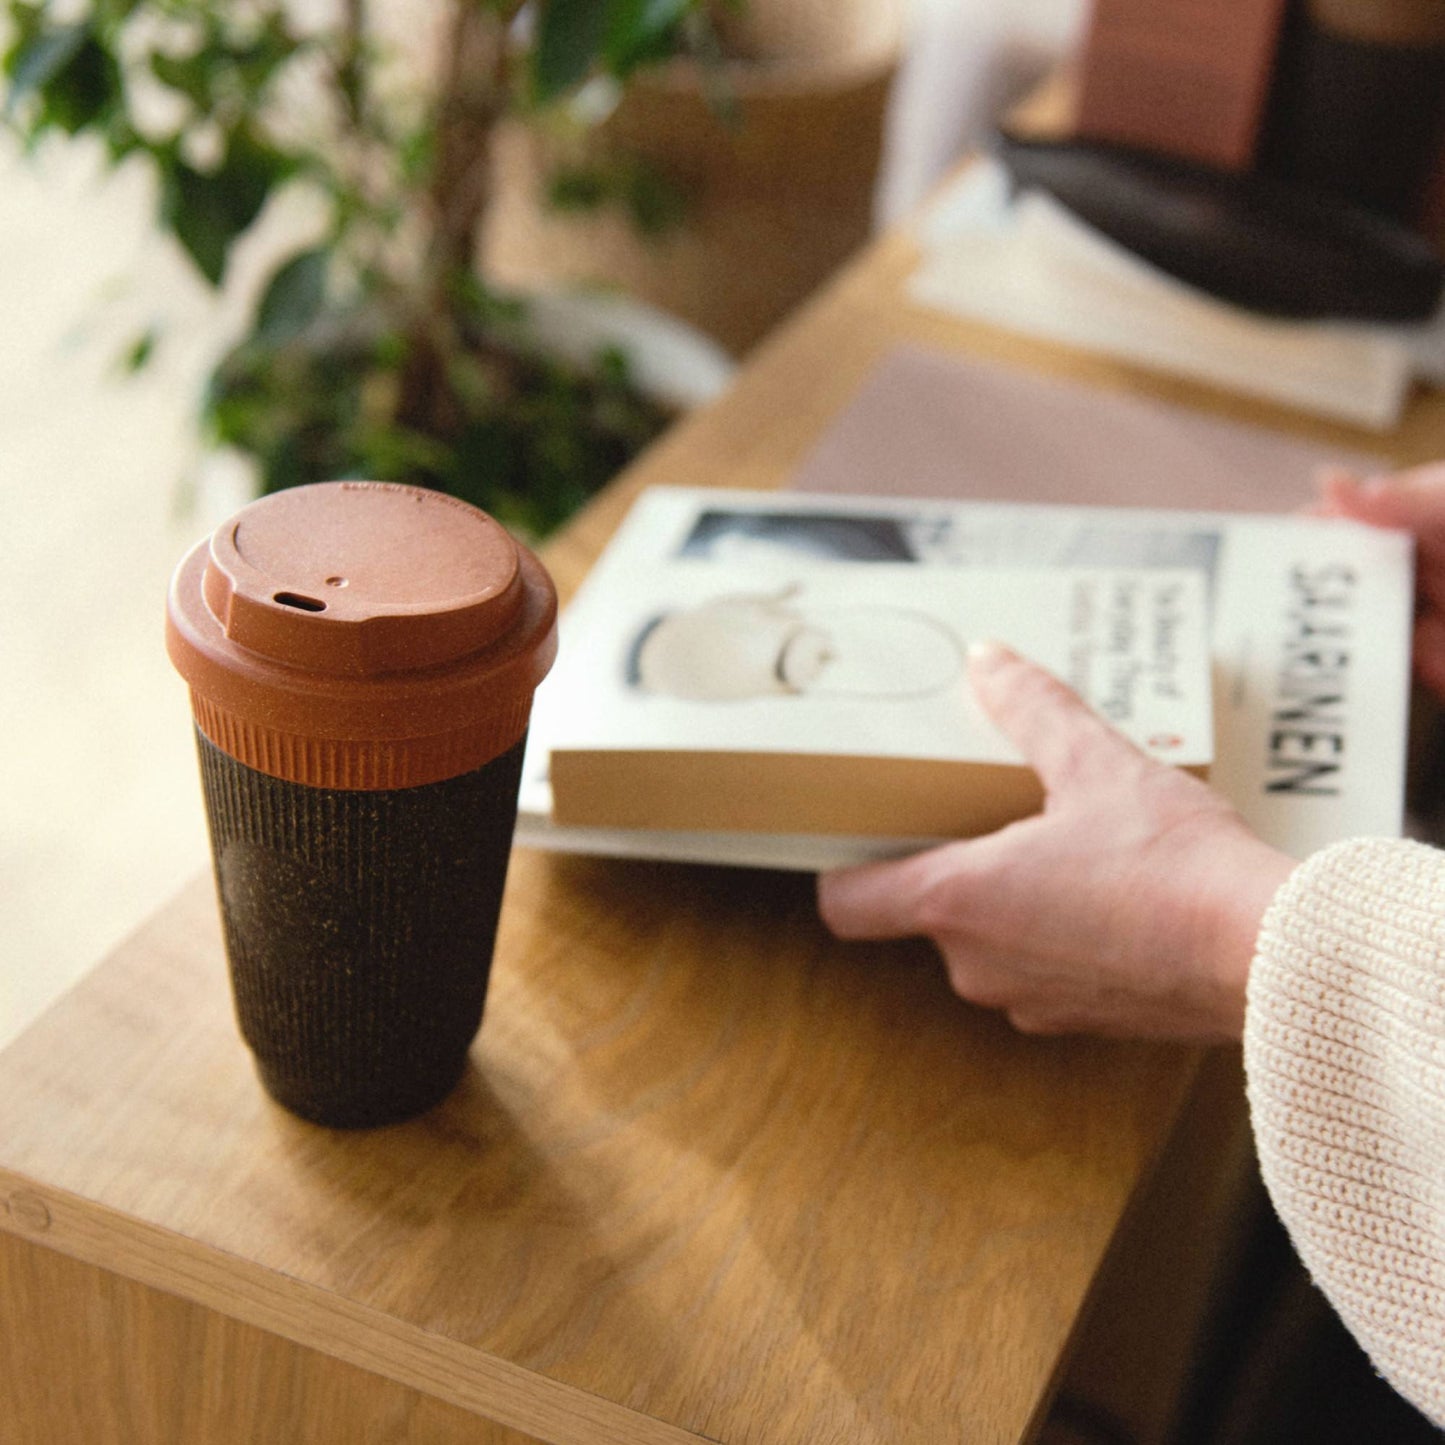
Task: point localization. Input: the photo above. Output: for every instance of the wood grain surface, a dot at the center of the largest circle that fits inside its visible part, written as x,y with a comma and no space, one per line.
709,1171
711,1175
162,1369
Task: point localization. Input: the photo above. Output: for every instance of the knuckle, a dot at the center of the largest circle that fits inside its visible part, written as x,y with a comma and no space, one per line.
975,983
940,894
937,914
962,975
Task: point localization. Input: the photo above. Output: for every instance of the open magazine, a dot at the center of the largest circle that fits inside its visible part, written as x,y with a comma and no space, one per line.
1306,623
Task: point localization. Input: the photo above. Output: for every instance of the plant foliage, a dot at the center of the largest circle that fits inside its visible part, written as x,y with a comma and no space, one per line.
376,349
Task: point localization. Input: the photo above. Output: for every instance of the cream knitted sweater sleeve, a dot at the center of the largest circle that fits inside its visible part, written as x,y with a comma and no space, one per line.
1345,1058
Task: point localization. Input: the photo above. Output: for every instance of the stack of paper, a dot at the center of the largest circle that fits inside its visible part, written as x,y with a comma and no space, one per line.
1028,264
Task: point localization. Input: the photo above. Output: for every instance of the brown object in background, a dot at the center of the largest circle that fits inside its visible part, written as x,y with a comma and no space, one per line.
1432,215
362,659
1185,78
774,202
1358,107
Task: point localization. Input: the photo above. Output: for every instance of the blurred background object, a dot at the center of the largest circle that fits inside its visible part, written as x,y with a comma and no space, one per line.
1331,109
1357,108
965,63
772,159
380,192
1345,98
1185,78
1250,195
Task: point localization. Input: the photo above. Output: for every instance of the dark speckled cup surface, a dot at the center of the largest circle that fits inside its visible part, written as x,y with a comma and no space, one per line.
359,930
362,660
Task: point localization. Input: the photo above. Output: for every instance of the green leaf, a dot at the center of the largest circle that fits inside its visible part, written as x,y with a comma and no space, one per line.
139,352
85,90
571,37
39,58
293,297
252,170
259,61
579,188
26,20
112,12
197,209
653,203
122,138
416,152
221,69
189,74
642,32
74,77
656,204
208,211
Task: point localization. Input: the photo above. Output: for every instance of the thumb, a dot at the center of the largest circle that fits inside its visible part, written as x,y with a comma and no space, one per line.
1063,739
1412,499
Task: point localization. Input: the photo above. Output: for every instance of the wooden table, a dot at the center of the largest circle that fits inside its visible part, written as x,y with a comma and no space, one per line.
711,1176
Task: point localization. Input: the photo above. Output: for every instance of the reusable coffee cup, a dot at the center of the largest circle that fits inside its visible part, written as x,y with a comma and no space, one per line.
361,659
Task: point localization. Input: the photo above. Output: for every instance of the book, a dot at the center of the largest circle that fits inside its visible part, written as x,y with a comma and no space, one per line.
1309,620
1186,78
738,663
740,762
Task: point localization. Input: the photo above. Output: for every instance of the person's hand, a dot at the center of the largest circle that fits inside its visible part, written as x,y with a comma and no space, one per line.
1129,906
1415,501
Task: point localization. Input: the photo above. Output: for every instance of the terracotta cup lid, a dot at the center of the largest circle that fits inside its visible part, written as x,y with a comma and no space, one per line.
362,634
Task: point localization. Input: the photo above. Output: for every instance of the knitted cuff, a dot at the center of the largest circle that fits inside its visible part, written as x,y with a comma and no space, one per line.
1344,1051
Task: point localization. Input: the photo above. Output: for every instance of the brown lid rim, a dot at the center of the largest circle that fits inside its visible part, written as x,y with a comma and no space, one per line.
360,765
393,729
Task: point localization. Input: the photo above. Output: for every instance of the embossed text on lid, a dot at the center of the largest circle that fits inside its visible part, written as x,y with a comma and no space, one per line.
362,578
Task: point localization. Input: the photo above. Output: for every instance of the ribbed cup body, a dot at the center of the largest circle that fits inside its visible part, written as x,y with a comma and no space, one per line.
359,928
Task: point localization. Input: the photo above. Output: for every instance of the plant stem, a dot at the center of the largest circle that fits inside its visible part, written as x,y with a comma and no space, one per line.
350,71
472,98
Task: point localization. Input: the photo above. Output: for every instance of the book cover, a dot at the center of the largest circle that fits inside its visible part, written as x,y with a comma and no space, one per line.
754,664
1309,620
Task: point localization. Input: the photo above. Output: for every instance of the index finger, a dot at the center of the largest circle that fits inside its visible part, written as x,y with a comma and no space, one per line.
1064,740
